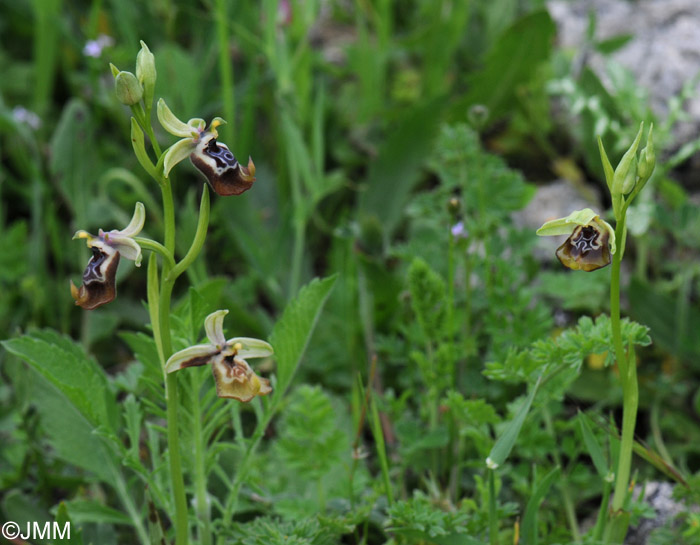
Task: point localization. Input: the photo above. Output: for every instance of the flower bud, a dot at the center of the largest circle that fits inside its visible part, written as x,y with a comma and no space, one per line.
631,179
621,178
647,159
146,72
128,88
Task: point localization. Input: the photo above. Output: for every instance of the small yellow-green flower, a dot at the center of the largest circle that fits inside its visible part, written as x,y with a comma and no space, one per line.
233,376
212,158
591,240
99,285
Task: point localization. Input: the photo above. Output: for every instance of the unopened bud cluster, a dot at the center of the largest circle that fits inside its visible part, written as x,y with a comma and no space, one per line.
130,88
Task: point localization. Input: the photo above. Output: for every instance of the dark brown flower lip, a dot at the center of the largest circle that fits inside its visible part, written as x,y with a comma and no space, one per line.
99,285
223,172
587,249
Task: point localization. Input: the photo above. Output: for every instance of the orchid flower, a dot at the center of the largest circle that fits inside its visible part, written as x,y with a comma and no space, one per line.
213,159
99,279
234,377
591,240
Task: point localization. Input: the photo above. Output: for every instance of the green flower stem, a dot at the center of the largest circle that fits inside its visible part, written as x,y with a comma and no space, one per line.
178,482
157,247
628,373
168,278
171,394
200,475
159,311
199,237
168,215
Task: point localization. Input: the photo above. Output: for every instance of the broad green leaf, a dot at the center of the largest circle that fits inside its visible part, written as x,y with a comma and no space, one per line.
529,527
504,444
82,511
397,167
594,449
66,366
292,332
69,431
512,61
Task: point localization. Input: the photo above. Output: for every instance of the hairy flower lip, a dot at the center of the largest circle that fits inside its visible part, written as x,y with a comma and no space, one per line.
212,158
591,240
233,376
586,249
99,278
225,174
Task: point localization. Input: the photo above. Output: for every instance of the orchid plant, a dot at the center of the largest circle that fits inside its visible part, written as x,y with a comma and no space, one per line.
234,377
592,244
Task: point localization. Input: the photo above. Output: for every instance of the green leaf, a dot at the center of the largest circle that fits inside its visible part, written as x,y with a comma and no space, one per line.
82,511
292,332
504,444
69,432
397,168
594,449
62,518
67,165
607,167
66,366
512,61
606,47
529,527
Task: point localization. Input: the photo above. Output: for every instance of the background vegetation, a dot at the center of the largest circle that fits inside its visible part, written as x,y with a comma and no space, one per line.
393,143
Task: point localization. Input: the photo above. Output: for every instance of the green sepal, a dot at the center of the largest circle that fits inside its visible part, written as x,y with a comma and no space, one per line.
566,226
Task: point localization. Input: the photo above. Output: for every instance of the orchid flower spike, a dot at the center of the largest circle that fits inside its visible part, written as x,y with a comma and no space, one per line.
233,376
591,240
99,279
213,159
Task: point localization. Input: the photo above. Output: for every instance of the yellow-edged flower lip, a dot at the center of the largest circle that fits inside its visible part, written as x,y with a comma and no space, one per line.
99,278
591,240
233,376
